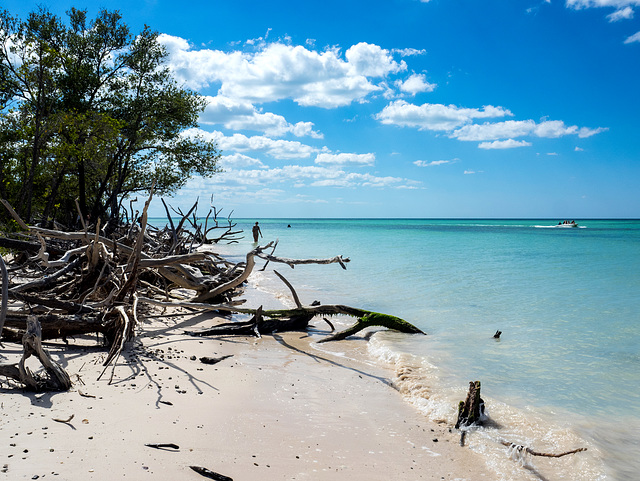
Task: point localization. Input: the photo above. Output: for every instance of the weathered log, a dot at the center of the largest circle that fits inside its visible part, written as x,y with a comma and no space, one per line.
297,319
294,262
55,377
69,307
48,280
294,319
370,319
58,326
244,275
25,246
207,473
257,326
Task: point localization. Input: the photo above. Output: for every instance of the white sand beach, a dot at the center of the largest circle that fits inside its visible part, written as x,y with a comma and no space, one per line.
277,409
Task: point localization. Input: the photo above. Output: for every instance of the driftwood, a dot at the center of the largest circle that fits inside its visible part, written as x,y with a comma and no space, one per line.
162,445
95,281
298,319
214,360
54,377
471,413
207,473
520,449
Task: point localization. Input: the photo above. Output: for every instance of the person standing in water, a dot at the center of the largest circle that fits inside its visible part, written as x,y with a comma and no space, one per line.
256,231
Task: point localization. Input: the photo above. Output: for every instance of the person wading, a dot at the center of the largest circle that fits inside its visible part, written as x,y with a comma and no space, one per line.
256,232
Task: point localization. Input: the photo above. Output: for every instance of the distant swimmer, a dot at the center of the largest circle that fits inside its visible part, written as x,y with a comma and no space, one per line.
289,226
256,232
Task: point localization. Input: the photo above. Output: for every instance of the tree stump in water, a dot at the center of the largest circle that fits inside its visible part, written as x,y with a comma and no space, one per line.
471,409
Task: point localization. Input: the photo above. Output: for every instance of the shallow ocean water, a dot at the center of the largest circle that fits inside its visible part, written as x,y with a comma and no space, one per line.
565,299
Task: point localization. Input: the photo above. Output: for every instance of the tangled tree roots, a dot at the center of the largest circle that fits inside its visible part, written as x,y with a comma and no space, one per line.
98,281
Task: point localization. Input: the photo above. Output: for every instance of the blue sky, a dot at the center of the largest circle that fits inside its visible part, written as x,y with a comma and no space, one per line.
407,108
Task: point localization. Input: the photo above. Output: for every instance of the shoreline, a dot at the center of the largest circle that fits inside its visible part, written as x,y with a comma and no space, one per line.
277,409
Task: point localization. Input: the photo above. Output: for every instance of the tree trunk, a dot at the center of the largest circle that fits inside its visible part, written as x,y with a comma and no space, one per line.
471,409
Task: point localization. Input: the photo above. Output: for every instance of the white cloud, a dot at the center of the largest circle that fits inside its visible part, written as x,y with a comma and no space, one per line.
554,129
409,52
425,163
276,148
416,83
519,128
579,149
625,13
633,38
344,158
434,116
618,4
585,132
495,131
242,115
504,144
372,61
239,160
308,176
276,71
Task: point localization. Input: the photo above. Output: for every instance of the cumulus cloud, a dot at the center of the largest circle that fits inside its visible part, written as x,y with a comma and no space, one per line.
416,83
434,116
504,144
276,71
633,38
344,158
372,61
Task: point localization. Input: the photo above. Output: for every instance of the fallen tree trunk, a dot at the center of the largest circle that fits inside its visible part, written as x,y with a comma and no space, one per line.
296,319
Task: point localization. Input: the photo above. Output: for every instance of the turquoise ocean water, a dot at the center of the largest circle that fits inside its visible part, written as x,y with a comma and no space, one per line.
566,368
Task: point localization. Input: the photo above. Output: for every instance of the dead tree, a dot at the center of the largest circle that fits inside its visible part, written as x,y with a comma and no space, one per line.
471,410
86,281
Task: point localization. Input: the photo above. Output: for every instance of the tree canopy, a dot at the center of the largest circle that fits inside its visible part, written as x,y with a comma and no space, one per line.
89,111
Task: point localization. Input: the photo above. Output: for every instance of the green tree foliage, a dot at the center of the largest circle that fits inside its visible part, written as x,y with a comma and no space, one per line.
89,111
